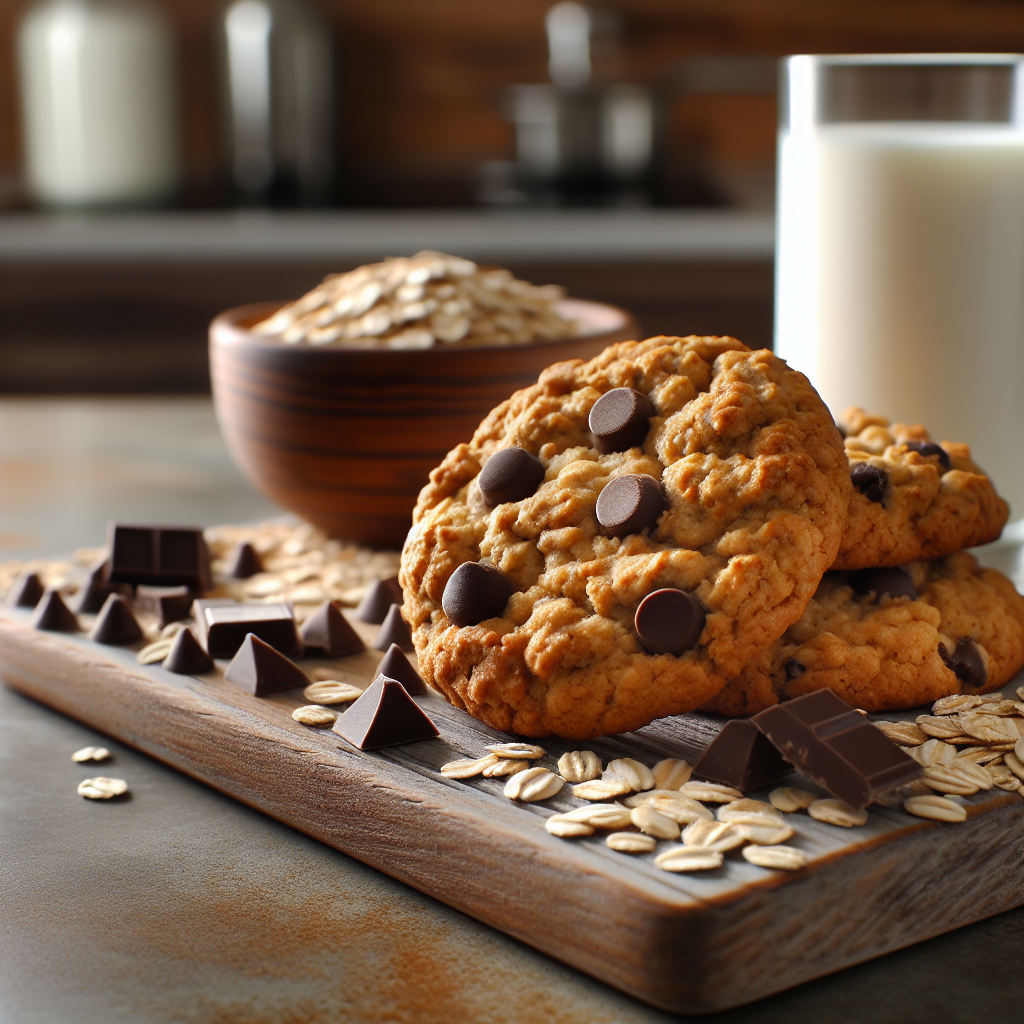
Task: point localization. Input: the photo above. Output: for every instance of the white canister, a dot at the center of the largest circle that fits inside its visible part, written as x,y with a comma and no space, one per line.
98,103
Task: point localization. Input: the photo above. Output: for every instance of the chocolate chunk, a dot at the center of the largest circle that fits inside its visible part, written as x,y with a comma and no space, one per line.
669,621
741,756
384,716
115,624
510,475
329,632
619,420
53,615
966,663
187,658
378,601
27,590
475,593
168,604
161,555
887,581
223,627
395,665
91,597
244,562
837,747
629,504
794,669
928,448
870,480
394,630
258,669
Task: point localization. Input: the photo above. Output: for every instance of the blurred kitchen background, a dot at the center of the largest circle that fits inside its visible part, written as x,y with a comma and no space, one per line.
625,150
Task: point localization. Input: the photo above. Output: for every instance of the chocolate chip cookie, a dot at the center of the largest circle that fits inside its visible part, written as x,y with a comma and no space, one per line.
620,539
912,498
892,638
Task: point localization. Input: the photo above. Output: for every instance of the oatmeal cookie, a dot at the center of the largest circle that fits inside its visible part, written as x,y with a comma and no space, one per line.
687,487
870,640
912,498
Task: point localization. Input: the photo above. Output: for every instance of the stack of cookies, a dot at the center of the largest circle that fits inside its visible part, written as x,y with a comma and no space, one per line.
679,524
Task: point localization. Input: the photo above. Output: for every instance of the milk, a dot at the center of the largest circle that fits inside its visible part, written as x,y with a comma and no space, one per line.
900,278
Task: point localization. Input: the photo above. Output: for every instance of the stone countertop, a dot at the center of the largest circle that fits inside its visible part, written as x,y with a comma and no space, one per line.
181,905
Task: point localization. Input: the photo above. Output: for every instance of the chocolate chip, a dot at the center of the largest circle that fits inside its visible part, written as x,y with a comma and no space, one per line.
669,621
244,562
629,504
794,669
26,592
510,475
889,581
927,448
966,663
475,592
870,480
619,420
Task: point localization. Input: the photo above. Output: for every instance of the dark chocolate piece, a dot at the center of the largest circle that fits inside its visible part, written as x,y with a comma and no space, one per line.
115,625
966,663
53,615
620,419
394,630
741,756
837,747
474,593
510,474
395,665
258,669
90,599
629,504
168,604
25,593
244,562
187,658
384,716
162,555
669,621
378,601
928,448
328,632
886,581
870,480
223,627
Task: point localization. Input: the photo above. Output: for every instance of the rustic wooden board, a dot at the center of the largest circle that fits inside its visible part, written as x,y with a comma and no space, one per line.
687,943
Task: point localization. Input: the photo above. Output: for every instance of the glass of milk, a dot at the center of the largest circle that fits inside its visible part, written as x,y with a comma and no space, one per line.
900,246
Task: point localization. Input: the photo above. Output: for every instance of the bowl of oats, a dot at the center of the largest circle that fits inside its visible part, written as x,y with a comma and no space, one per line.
338,405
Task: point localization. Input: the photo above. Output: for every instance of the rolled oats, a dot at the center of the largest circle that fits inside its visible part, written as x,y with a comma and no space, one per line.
906,734
779,858
505,766
1018,749
956,702
988,728
532,785
689,858
468,767
154,652
790,799
837,812
632,842
972,773
630,771
604,816
745,808
980,755
314,714
1014,763
331,691
579,766
764,834
102,788
713,835
932,751
654,823
559,825
710,792
600,789
946,779
681,809
935,807
671,773
521,751
91,754
940,726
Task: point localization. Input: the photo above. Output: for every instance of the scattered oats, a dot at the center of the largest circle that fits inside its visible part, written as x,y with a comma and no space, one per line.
779,858
654,823
972,773
313,714
152,653
1015,764
689,858
102,788
467,767
710,792
906,734
559,825
744,808
681,809
957,702
791,799
172,629
635,775
946,779
532,785
1010,785
579,766
988,728
505,766
521,751
331,691
613,816
937,808
634,842
713,835
1000,708
762,834
91,754
1018,749
600,789
837,812
980,755
940,726
895,797
932,751
671,773
999,773
1020,692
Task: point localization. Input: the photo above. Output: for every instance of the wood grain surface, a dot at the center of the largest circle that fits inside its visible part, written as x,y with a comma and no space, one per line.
687,943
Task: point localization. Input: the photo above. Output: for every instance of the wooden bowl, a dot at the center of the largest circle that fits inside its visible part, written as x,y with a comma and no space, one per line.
346,437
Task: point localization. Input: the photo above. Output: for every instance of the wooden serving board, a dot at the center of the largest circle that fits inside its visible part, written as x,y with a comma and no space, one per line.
687,943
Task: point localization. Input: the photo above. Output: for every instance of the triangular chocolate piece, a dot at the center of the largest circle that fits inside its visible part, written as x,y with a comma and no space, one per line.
741,757
394,630
27,590
395,665
244,562
115,625
378,601
187,658
258,669
384,716
54,615
327,630
91,597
